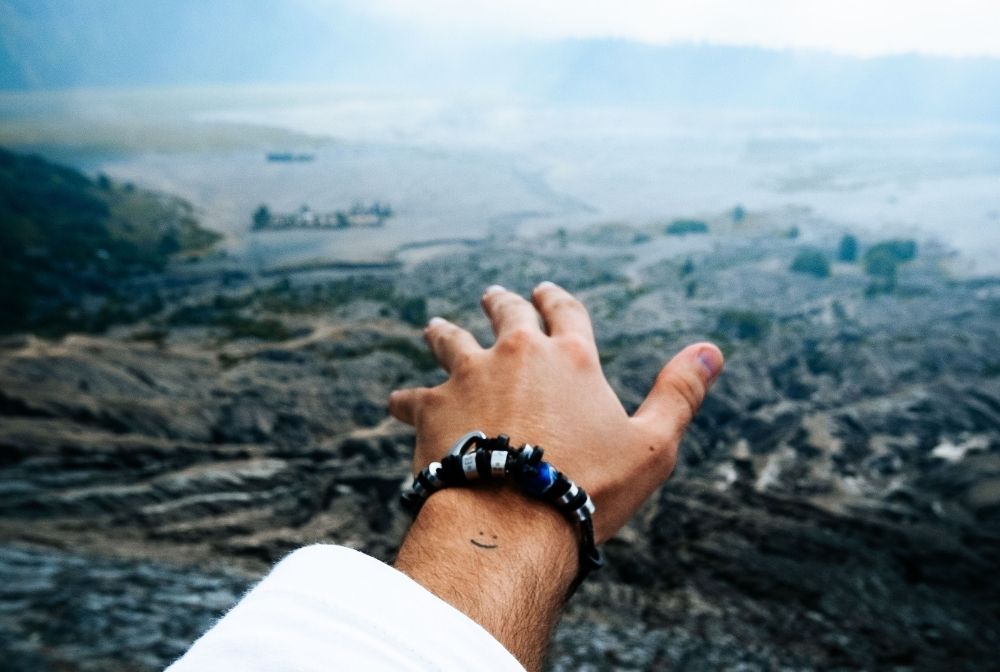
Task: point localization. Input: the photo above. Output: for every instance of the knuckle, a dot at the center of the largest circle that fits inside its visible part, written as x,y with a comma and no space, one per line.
463,364
517,341
430,399
580,351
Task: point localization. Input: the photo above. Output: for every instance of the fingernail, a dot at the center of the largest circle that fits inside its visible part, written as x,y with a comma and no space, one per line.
711,359
435,321
493,289
545,284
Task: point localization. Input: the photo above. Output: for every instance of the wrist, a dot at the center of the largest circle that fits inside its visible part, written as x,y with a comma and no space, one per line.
495,524
505,560
475,458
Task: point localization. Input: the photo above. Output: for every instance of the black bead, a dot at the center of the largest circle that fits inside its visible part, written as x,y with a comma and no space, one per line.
576,501
424,479
451,470
483,463
411,501
559,488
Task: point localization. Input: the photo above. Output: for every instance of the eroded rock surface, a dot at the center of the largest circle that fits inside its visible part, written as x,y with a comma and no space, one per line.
837,504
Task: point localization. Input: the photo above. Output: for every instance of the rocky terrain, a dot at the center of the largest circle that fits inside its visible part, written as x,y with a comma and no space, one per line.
837,504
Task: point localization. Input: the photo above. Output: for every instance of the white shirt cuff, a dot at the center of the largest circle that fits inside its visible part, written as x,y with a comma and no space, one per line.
327,608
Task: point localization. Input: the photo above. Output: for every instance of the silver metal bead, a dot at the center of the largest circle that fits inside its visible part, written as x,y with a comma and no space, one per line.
589,505
469,466
498,463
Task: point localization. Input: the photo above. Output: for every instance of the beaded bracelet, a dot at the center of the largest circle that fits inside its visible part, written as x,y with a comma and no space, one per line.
478,457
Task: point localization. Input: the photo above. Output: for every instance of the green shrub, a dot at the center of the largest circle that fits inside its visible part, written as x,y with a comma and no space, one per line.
811,262
413,310
681,227
744,324
261,218
899,249
882,262
881,265
848,249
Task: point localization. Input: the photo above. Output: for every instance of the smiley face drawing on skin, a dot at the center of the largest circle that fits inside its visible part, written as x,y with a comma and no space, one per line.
484,541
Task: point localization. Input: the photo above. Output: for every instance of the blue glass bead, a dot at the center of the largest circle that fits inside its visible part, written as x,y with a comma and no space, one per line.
541,479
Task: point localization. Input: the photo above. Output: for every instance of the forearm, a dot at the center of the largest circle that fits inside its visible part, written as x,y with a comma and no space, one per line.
504,560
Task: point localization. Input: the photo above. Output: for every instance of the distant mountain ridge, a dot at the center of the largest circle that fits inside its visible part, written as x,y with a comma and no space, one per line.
593,71
49,44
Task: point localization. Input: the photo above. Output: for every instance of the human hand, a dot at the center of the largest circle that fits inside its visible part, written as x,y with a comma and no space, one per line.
547,388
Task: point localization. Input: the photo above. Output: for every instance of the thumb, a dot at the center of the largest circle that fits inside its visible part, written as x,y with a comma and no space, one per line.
680,388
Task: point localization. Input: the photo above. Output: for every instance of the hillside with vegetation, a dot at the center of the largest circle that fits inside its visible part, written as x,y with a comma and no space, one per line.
67,241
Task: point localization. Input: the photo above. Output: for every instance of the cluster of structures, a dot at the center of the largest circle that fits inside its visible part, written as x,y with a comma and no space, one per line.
358,216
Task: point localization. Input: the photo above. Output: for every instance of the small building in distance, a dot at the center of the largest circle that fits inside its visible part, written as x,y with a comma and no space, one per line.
357,216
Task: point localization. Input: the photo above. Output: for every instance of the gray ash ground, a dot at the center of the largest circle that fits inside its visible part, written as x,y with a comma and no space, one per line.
836,506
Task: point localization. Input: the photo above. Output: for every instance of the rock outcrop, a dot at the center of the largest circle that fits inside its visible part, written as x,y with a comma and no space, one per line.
837,504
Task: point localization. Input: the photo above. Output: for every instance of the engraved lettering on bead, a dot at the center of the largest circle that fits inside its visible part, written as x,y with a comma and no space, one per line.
469,466
498,463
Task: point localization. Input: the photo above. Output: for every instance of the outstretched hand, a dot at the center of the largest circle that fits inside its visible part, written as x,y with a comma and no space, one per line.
542,384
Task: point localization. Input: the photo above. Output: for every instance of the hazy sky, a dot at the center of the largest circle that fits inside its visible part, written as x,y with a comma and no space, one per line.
861,27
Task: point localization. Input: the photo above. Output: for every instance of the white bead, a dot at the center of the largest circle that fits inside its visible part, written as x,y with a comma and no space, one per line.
570,494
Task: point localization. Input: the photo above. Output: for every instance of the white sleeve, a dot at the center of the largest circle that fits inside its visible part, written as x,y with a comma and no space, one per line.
326,608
